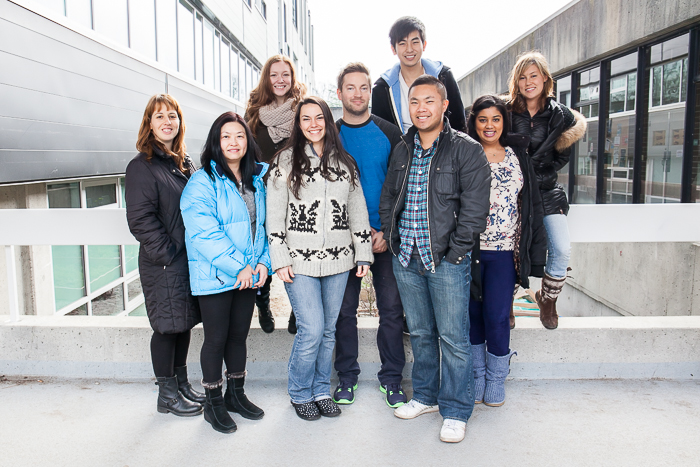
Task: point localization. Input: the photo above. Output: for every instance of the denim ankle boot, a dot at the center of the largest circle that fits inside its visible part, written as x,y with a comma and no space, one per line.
497,368
479,365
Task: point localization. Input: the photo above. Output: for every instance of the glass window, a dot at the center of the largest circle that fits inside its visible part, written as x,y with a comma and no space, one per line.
185,39
198,58
80,11
584,157
249,79
664,133
623,83
695,187
59,6
208,54
142,27
217,61
67,260
110,18
564,90
619,159
104,261
166,26
234,73
109,303
225,68
242,96
294,13
589,92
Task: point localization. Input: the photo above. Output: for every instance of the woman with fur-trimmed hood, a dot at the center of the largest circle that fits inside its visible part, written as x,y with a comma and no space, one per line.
553,129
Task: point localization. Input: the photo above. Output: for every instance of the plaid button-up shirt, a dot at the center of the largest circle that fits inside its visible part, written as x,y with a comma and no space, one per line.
413,223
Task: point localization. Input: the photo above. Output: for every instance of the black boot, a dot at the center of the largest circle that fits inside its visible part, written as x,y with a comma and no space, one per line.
170,399
292,326
185,386
236,400
214,409
267,321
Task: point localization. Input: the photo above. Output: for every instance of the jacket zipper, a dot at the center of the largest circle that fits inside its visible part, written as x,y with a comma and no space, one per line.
396,204
427,207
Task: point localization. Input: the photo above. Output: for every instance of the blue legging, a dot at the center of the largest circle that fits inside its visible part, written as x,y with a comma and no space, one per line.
490,319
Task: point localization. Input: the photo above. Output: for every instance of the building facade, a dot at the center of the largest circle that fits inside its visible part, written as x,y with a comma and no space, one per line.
632,68
76,76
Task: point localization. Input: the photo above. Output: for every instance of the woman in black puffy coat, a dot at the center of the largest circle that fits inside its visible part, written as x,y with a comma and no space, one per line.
553,128
155,179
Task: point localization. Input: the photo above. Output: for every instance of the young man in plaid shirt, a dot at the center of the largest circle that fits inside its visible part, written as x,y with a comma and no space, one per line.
433,206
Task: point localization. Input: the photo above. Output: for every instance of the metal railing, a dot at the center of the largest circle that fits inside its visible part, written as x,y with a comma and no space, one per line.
587,224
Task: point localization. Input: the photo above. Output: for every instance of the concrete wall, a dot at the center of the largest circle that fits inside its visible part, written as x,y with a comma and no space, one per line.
33,263
581,348
639,279
584,32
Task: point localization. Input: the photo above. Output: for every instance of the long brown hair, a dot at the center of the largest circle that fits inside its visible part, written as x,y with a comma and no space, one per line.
147,139
333,152
525,60
262,95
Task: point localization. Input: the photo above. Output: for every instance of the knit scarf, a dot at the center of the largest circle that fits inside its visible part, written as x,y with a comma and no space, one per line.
278,119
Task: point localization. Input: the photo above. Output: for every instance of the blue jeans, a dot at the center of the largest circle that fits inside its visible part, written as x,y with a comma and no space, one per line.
489,320
436,307
558,245
316,302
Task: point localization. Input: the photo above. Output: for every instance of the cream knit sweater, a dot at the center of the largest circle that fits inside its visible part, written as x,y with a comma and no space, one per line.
325,232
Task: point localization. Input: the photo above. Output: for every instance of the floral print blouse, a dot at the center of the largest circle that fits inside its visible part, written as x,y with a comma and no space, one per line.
502,223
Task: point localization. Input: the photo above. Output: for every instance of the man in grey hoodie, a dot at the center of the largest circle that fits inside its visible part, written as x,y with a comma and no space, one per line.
390,92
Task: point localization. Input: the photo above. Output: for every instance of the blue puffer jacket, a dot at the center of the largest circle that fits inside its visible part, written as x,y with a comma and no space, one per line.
218,233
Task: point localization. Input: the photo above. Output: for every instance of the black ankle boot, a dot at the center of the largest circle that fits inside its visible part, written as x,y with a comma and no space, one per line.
236,400
170,399
215,411
265,318
292,326
185,387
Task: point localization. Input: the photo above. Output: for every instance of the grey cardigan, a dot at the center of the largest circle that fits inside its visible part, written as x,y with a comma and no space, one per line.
325,232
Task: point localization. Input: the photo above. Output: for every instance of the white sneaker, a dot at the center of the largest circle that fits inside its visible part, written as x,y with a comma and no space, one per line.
414,408
452,431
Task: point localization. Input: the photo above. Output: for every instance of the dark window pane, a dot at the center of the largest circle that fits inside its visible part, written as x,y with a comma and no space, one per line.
671,83
656,86
594,110
64,195
101,195
80,311
661,179
585,156
631,90
619,158
684,79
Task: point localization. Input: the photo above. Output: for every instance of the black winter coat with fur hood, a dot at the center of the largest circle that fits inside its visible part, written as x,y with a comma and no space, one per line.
552,131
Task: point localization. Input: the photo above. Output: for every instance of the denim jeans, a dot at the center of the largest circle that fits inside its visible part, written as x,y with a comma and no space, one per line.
316,302
558,245
489,320
389,333
436,306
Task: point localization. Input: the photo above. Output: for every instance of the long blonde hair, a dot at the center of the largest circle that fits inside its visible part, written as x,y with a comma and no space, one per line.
262,95
525,60
146,139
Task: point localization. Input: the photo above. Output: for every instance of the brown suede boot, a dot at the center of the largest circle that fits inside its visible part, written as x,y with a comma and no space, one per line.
547,301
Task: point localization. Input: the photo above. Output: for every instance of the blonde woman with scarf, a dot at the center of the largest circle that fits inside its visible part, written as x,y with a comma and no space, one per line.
270,116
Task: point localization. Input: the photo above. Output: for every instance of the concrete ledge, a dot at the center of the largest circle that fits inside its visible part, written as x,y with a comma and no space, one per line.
582,348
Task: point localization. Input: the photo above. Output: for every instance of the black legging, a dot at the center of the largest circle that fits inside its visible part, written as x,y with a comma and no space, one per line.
226,320
169,351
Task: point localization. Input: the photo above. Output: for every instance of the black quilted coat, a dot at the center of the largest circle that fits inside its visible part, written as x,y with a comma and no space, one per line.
153,190
544,129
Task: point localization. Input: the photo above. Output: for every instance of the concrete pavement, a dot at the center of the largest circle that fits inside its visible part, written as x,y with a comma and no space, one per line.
544,423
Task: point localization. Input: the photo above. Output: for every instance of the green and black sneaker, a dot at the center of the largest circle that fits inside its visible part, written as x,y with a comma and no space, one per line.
344,393
394,394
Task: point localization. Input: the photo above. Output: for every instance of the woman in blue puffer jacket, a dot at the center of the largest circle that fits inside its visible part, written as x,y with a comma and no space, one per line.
223,207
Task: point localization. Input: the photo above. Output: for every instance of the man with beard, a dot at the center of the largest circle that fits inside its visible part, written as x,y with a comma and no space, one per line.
369,140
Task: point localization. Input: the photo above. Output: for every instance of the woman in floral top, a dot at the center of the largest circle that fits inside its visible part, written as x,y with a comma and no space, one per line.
512,248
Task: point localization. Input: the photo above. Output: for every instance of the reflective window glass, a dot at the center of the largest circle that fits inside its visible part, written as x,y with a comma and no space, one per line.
166,23
142,27
225,68
584,157
217,61
185,39
110,18
208,54
249,79
564,90
242,86
198,58
109,303
619,159
234,73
